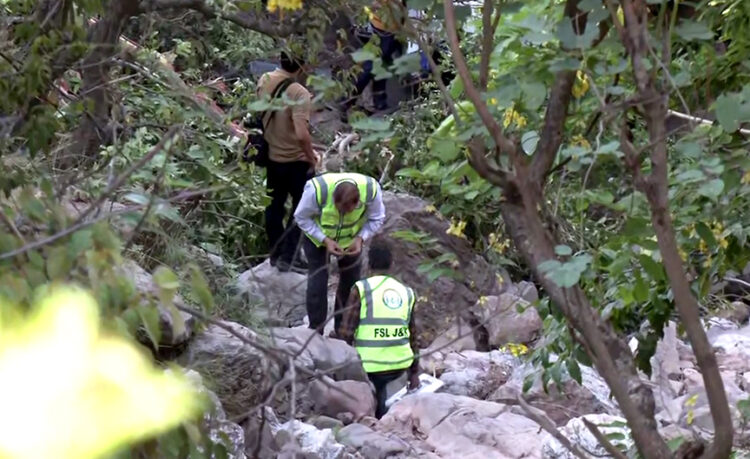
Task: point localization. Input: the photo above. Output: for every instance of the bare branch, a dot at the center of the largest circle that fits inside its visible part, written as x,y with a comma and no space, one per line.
488,35
540,417
604,441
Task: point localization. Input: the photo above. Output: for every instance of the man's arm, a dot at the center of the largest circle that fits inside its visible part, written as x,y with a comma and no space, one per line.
350,319
414,368
307,210
375,216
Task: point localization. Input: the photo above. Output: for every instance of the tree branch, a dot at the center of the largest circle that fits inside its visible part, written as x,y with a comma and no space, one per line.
261,23
540,417
503,143
488,35
603,440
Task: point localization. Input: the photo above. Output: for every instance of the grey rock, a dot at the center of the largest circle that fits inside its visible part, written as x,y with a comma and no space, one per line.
325,422
280,295
239,373
476,374
504,323
371,444
336,398
295,439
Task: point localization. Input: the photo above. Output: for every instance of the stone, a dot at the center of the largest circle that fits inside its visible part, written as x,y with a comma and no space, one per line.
371,444
148,292
466,434
315,352
560,404
325,422
459,337
422,412
220,430
296,439
441,301
737,311
504,323
280,294
238,373
524,289
476,374
665,363
336,398
577,432
716,327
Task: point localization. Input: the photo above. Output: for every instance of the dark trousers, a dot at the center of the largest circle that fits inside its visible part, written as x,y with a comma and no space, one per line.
389,45
317,284
380,381
284,180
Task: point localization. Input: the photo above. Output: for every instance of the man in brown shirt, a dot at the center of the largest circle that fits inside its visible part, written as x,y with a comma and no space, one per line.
380,260
292,158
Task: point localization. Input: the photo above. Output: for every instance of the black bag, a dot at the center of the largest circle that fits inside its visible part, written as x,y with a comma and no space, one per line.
257,127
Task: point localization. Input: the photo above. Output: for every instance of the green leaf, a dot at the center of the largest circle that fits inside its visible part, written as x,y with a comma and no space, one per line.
712,189
362,55
728,112
534,94
563,250
200,289
528,381
570,40
81,241
691,30
640,290
654,269
706,234
59,263
371,124
166,279
150,319
529,141
574,370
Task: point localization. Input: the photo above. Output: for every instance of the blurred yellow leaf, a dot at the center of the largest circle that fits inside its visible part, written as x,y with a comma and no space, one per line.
70,391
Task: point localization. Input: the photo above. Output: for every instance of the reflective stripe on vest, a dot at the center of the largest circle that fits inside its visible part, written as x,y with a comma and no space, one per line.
342,229
382,338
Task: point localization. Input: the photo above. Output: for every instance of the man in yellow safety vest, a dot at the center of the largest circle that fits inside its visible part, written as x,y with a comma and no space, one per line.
379,322
337,212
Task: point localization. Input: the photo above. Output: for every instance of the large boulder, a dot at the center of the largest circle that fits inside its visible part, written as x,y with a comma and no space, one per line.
148,292
457,426
296,439
315,352
575,430
338,399
459,337
508,319
476,374
560,403
442,300
280,296
239,373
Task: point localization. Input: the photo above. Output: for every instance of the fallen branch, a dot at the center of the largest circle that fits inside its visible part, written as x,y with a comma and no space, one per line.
603,440
541,418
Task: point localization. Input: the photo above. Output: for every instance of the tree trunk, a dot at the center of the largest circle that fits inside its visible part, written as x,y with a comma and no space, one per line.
609,352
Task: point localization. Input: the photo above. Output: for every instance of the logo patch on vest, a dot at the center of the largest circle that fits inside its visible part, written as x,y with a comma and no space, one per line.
392,299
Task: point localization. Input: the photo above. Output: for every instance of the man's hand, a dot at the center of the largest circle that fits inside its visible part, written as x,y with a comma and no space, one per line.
333,247
356,247
414,382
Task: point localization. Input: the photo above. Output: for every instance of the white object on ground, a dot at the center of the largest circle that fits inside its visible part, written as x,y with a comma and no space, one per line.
427,384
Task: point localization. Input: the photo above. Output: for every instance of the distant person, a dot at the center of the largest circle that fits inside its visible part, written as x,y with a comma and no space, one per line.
386,18
379,323
338,213
292,159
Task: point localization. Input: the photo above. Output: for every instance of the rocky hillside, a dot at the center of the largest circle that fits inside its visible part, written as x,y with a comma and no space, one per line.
282,391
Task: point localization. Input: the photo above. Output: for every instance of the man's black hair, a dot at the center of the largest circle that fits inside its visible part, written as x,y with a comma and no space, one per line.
289,63
379,256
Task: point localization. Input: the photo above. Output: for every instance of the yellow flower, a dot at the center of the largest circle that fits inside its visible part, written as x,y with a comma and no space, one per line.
511,116
430,209
579,140
516,349
498,244
682,253
492,101
457,228
746,178
581,85
291,5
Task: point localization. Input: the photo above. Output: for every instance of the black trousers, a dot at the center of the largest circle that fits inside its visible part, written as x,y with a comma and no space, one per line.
284,180
380,381
317,284
389,46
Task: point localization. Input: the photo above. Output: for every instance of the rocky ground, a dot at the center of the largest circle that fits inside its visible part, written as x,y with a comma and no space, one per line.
295,394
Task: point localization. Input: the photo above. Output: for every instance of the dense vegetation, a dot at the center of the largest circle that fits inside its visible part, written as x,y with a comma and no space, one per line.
597,147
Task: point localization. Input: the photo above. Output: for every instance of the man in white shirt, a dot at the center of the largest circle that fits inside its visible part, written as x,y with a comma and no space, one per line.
338,212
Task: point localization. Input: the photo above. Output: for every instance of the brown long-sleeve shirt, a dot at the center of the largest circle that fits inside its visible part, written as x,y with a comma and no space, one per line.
350,322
